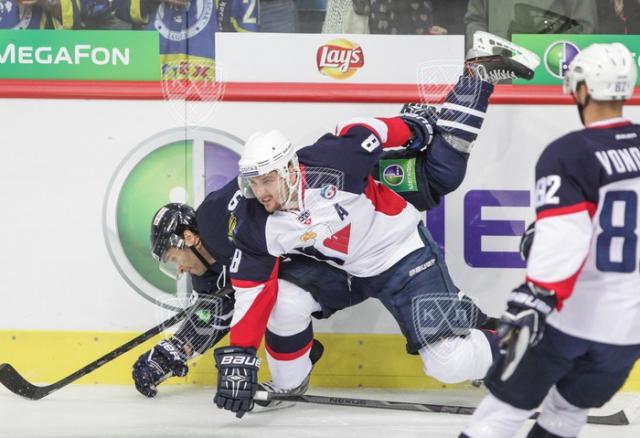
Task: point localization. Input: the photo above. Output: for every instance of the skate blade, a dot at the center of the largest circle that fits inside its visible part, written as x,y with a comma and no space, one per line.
487,42
272,407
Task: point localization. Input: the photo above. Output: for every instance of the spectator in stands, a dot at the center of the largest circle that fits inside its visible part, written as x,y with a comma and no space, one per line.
505,17
619,16
237,15
58,14
186,30
412,17
278,16
450,15
257,15
311,15
22,15
409,17
347,16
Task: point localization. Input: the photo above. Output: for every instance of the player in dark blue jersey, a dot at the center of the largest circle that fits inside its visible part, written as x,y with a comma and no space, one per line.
321,201
582,288
198,242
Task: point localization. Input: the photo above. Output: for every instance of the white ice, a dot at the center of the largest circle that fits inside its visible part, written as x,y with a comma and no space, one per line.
98,411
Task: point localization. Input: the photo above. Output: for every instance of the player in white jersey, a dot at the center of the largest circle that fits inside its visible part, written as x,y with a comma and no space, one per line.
323,202
583,275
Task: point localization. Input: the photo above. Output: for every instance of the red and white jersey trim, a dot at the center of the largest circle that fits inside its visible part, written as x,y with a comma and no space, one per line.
589,207
254,301
391,132
554,262
615,122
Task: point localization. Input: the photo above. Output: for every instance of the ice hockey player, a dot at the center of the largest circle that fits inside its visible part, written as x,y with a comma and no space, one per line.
322,202
583,276
195,242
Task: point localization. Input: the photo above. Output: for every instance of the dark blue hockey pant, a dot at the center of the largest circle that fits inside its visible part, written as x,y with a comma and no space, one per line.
419,293
586,373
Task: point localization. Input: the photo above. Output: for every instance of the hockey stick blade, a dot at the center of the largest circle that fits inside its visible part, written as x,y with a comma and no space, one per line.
17,384
617,419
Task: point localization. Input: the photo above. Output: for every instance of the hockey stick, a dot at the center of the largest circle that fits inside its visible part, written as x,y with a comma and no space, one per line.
17,384
619,418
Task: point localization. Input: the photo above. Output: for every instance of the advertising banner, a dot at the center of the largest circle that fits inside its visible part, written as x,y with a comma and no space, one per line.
88,55
557,51
326,58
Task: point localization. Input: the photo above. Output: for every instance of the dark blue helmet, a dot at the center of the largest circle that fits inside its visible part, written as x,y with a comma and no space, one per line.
167,228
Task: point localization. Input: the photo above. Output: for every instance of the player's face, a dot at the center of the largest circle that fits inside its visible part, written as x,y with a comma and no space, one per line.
269,190
184,261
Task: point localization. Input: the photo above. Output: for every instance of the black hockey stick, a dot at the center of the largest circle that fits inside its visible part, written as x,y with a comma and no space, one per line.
17,384
619,418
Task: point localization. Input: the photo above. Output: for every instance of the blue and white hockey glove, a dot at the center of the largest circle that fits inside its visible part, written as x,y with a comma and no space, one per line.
421,119
158,364
522,324
237,378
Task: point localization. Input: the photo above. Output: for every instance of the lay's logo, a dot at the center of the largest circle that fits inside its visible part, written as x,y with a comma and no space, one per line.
339,58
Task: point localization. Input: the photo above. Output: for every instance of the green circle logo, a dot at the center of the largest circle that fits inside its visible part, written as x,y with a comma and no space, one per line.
393,175
177,165
558,56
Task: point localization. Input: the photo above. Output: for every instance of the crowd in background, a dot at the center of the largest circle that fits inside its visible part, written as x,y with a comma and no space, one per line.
421,17
187,28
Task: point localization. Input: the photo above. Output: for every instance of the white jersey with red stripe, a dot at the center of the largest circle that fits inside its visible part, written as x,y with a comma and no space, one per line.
586,245
344,218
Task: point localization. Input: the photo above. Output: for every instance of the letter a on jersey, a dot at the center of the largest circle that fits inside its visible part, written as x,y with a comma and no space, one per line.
339,241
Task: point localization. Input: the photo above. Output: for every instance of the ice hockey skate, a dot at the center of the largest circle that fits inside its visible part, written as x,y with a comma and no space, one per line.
486,59
267,405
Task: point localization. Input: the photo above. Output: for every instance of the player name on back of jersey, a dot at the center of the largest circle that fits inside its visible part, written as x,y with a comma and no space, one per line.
620,160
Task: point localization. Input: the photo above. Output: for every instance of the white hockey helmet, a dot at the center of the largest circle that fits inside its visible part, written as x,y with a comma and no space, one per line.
608,70
263,153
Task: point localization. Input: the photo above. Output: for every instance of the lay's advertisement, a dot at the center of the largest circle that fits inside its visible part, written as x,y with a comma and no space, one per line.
340,58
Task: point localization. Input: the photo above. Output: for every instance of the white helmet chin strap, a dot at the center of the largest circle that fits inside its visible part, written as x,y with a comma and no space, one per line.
293,200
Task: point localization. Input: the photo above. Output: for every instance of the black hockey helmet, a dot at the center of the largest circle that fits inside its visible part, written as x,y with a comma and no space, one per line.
167,228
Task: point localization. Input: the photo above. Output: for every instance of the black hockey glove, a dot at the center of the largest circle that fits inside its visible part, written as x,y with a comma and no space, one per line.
158,364
522,324
237,378
527,240
421,119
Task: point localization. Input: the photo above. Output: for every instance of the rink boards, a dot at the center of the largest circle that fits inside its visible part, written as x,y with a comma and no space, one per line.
79,177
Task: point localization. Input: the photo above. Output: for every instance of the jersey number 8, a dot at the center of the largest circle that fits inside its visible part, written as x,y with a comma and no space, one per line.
623,234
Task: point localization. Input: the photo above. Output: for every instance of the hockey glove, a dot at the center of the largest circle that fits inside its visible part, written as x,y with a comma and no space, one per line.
158,364
421,119
527,240
237,378
522,325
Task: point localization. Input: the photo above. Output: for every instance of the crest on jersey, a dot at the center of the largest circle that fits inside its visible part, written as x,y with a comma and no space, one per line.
233,222
309,235
328,191
305,217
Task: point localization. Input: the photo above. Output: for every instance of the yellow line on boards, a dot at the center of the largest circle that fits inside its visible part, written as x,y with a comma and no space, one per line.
349,361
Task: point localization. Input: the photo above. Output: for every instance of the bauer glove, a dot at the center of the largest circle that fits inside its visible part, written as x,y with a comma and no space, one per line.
237,378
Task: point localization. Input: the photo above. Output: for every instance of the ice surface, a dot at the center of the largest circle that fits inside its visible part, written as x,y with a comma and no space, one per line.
100,411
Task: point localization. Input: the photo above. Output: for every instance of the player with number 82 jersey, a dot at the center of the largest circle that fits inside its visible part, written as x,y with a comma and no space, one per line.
586,246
